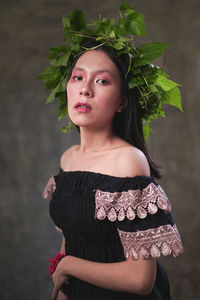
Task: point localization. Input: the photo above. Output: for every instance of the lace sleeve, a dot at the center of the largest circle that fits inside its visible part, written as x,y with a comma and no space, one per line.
144,222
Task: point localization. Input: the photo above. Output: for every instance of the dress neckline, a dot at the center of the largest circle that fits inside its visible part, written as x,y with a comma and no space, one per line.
104,175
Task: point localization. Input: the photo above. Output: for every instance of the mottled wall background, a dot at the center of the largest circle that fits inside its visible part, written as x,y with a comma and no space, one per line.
31,141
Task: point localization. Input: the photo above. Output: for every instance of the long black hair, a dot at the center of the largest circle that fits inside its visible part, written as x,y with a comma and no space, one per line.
128,123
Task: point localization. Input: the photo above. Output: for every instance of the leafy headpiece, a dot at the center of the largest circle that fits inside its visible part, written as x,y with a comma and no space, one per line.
152,83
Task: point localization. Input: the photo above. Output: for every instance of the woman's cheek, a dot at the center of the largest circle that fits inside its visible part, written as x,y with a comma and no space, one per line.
104,97
70,100
70,93
108,102
72,96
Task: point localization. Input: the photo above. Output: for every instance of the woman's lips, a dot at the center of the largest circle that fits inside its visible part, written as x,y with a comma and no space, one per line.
83,107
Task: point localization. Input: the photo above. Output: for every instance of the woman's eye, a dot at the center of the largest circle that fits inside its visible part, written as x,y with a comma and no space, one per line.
77,78
102,81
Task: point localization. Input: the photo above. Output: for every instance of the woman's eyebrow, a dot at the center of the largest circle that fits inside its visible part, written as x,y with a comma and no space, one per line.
98,71
106,71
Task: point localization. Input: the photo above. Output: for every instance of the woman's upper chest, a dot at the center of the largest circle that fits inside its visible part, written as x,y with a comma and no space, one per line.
104,162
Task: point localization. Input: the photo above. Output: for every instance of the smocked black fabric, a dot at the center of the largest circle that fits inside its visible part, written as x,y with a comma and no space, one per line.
72,209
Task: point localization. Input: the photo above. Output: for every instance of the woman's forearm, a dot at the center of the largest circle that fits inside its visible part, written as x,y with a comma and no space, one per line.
129,276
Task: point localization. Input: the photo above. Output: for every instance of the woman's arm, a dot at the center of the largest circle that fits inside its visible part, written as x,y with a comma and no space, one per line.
62,249
133,276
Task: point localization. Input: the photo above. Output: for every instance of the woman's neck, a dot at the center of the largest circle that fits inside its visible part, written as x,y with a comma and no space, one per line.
96,140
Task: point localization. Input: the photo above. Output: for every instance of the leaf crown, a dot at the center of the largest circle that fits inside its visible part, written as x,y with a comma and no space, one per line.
152,84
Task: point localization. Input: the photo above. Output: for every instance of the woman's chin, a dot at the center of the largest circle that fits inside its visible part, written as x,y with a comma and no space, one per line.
89,122
81,121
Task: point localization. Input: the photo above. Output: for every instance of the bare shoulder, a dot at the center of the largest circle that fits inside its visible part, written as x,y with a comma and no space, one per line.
132,162
66,156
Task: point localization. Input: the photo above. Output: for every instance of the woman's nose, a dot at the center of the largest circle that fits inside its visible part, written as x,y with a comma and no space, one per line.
86,91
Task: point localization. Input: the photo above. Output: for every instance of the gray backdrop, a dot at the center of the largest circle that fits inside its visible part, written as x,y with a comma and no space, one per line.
31,141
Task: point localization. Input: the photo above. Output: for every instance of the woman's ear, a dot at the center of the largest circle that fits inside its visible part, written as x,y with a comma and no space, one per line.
123,104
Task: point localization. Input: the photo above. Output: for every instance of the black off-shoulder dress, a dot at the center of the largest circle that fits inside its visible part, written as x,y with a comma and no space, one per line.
107,219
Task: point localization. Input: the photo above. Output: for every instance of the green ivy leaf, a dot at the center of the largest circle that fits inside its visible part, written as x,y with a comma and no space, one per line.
146,130
66,26
118,45
52,83
60,88
64,129
148,52
137,25
61,110
66,22
150,70
112,35
105,27
123,39
153,81
51,77
124,6
162,113
47,74
76,47
153,88
164,83
173,97
55,51
123,27
109,23
135,81
126,9
77,20
51,97
61,60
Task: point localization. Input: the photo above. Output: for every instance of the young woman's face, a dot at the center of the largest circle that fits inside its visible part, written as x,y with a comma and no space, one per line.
94,91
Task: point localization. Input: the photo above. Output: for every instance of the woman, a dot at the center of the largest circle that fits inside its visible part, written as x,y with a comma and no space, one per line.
94,94
114,217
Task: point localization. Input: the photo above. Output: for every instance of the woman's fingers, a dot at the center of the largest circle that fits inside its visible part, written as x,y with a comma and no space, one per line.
59,279
55,293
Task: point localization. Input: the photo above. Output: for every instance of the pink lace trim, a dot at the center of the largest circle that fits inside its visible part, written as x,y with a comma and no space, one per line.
153,242
49,188
131,203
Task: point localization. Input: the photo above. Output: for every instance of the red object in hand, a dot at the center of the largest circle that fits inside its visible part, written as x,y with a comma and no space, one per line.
54,262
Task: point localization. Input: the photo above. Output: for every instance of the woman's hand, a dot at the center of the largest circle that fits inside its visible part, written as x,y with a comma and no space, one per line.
60,277
62,296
